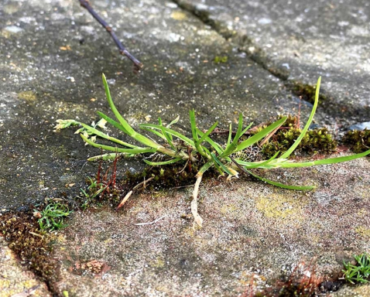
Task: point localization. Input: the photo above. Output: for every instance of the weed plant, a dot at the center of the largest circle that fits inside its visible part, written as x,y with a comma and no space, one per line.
200,148
358,273
53,215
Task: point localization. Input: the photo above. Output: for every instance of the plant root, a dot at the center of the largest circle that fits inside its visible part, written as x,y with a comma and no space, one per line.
194,204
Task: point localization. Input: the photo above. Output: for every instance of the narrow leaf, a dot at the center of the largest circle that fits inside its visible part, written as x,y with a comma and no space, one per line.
220,164
162,163
116,149
170,131
258,136
304,131
111,121
298,188
324,161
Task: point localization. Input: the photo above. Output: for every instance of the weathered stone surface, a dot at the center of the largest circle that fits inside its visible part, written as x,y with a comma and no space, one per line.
251,230
52,69
302,40
53,54
15,280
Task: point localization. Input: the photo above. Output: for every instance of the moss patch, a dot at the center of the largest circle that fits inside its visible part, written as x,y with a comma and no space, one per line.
315,141
33,246
358,141
305,92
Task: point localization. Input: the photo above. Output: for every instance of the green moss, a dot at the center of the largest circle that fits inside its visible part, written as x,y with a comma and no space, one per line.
32,246
358,141
305,92
315,141
220,59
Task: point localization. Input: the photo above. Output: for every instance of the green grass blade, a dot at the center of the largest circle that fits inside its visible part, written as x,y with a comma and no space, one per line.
162,163
123,122
111,121
251,165
193,127
96,132
223,167
173,122
129,130
205,167
215,145
246,129
258,136
106,157
324,161
194,133
172,132
297,188
154,132
168,138
209,131
304,131
230,148
230,134
118,150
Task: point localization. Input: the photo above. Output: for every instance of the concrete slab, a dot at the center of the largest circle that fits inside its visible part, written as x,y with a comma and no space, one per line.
51,68
253,233
53,55
302,40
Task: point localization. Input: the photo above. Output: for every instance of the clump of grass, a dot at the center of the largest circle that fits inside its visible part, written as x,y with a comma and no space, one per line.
52,216
200,148
358,273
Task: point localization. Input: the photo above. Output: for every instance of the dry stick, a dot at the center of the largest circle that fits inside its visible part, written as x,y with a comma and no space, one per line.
123,51
128,195
194,203
150,223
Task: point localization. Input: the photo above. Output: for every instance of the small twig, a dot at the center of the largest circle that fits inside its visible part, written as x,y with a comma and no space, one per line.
128,195
150,223
123,51
194,203
239,166
35,234
267,138
143,183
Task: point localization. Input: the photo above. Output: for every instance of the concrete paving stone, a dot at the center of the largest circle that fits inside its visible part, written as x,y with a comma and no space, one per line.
252,233
53,54
51,69
302,40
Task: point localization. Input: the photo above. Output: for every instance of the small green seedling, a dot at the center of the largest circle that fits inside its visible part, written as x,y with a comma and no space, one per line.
200,148
53,215
358,273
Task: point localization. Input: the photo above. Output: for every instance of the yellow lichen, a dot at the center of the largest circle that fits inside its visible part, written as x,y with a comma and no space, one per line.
228,209
158,262
279,206
363,231
178,16
28,96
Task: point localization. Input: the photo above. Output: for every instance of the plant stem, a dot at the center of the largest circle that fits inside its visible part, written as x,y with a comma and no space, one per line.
194,203
123,51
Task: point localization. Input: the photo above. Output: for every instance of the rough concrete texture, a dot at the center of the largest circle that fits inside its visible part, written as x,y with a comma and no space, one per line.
302,40
251,231
15,280
52,55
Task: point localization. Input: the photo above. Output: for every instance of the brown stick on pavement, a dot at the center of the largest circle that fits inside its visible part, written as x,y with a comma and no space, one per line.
86,4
